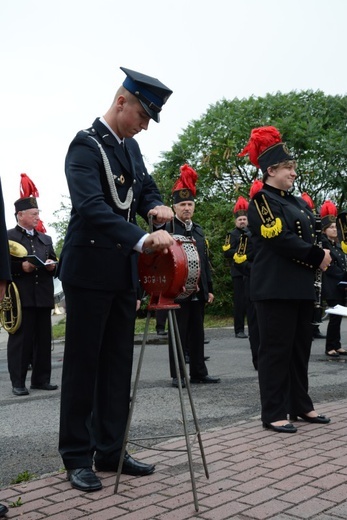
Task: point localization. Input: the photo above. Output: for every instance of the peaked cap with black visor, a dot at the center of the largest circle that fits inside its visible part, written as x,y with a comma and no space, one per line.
151,93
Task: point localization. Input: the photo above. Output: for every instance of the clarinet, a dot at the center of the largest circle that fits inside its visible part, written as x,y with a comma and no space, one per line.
318,274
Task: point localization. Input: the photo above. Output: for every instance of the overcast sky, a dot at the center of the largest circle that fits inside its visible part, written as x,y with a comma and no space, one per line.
60,69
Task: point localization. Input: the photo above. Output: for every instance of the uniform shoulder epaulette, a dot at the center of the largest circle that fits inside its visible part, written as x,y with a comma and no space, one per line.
271,226
226,245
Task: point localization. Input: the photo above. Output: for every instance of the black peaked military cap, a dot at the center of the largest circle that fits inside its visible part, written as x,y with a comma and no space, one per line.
151,92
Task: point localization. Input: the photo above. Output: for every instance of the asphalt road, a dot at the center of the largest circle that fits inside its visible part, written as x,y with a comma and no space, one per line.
29,425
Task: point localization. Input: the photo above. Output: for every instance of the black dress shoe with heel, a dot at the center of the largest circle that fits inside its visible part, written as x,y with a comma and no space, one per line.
205,380
130,466
45,386
3,510
83,479
20,390
175,382
319,419
286,428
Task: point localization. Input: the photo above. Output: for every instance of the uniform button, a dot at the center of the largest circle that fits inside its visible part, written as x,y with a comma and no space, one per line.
92,242
118,246
134,200
134,181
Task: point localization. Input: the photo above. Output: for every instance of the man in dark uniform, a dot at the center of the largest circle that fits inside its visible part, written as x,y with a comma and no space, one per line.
108,185
31,343
190,315
5,276
282,283
232,243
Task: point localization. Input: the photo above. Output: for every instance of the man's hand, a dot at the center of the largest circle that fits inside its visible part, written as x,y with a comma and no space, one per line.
27,267
158,241
50,265
161,214
326,260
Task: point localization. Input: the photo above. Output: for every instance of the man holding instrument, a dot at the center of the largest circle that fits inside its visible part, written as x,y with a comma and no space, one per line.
109,185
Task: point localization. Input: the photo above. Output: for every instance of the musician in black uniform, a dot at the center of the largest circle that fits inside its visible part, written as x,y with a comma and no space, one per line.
242,261
332,292
32,342
5,276
108,184
190,315
230,247
282,283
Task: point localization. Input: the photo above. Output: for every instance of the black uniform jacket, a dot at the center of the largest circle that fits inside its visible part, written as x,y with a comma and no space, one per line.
98,248
285,262
35,288
205,281
232,242
335,273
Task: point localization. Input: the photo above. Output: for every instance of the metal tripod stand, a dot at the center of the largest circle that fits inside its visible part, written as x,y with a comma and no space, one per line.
178,355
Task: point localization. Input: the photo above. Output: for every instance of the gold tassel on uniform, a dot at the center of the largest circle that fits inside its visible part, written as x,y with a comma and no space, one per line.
271,226
239,259
344,247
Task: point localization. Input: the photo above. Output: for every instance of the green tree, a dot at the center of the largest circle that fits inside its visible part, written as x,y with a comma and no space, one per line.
312,124
60,225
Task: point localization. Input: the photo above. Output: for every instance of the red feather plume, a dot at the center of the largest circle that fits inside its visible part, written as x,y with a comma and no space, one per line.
186,180
241,204
27,187
256,186
308,200
261,139
328,208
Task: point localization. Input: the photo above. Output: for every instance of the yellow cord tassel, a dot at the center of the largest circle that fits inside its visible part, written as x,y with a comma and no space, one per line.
226,248
344,247
273,231
239,259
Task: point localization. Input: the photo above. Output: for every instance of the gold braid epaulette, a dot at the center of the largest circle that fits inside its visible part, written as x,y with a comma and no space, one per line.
271,226
343,228
226,246
240,255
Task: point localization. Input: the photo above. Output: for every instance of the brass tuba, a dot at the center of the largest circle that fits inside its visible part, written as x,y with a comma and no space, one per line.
10,307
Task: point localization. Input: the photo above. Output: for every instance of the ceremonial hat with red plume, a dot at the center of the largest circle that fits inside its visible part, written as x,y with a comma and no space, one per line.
265,148
28,194
328,213
241,207
185,187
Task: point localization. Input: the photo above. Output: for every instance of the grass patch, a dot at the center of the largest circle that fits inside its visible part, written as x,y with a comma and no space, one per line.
23,477
210,322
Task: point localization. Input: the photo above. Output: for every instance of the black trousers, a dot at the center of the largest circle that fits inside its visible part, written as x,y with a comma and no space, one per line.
190,322
240,304
333,339
285,330
96,375
32,343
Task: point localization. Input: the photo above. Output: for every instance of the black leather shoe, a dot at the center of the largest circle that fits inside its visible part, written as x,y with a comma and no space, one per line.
161,332
3,510
206,380
206,358
241,335
20,390
46,386
84,479
175,382
286,428
332,354
319,419
130,467
206,341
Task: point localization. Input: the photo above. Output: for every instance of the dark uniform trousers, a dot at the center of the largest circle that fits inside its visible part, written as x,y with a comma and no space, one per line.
283,378
35,328
190,317
240,304
104,341
333,341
